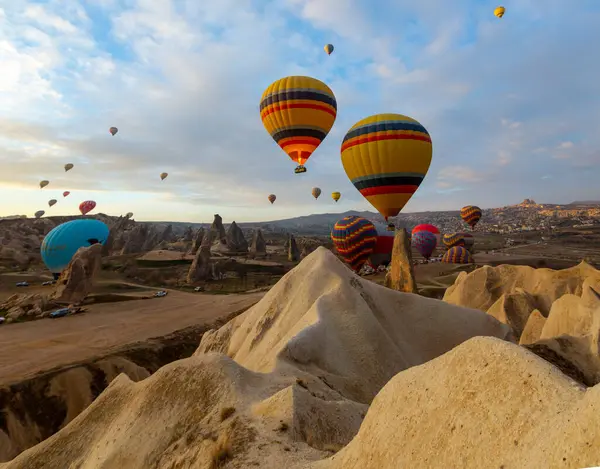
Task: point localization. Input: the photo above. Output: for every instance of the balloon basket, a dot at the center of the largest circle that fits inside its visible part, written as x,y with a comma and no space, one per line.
391,227
300,169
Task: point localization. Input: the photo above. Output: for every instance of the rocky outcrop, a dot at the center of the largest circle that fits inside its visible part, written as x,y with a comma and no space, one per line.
201,268
218,236
19,307
293,251
236,242
401,275
136,239
167,235
258,248
188,235
77,280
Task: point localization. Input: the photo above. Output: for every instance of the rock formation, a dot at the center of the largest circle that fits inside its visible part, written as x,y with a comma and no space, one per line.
293,251
555,314
77,280
218,235
136,239
201,268
236,242
302,367
258,248
188,235
197,241
401,275
167,235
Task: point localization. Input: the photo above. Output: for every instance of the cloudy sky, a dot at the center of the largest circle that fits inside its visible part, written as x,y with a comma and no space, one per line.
512,105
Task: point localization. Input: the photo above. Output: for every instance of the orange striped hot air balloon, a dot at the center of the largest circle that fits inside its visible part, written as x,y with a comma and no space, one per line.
354,239
386,157
298,112
471,214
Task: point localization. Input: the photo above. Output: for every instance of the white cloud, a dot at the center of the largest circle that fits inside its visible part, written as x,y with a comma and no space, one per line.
182,81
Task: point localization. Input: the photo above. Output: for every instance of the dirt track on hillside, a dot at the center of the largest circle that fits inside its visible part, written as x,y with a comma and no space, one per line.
27,349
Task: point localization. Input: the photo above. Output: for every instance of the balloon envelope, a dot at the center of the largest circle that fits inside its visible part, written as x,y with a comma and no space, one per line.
316,192
336,196
457,255
453,239
471,214
163,176
51,202
499,12
328,48
66,193
62,242
44,183
87,206
113,130
386,157
354,239
298,112
272,198
39,213
427,227
424,242
382,255
68,166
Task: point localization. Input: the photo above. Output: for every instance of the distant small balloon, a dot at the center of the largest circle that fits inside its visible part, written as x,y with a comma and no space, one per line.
113,131
87,206
39,213
272,198
129,215
316,192
68,166
44,183
66,193
336,196
51,202
163,176
499,12
328,48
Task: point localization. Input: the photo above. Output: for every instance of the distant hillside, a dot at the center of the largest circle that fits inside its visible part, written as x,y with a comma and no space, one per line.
585,202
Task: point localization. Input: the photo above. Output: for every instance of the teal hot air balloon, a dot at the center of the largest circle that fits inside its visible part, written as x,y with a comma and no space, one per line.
63,241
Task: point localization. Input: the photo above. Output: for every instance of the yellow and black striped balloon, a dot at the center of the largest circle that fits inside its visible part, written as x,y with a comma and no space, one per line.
457,255
386,157
298,112
453,239
470,214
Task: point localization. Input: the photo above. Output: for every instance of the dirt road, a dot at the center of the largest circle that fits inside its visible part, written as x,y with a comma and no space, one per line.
32,347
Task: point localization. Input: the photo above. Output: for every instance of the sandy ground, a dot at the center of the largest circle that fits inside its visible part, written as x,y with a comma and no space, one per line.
33,347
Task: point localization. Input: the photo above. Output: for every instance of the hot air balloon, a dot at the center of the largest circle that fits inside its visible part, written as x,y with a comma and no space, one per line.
427,227
51,202
457,255
66,193
499,12
453,239
87,206
129,215
163,176
316,192
62,242
68,166
298,112
328,48
382,255
424,242
354,239
336,196
272,198
470,214
39,213
386,157
44,183
113,131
